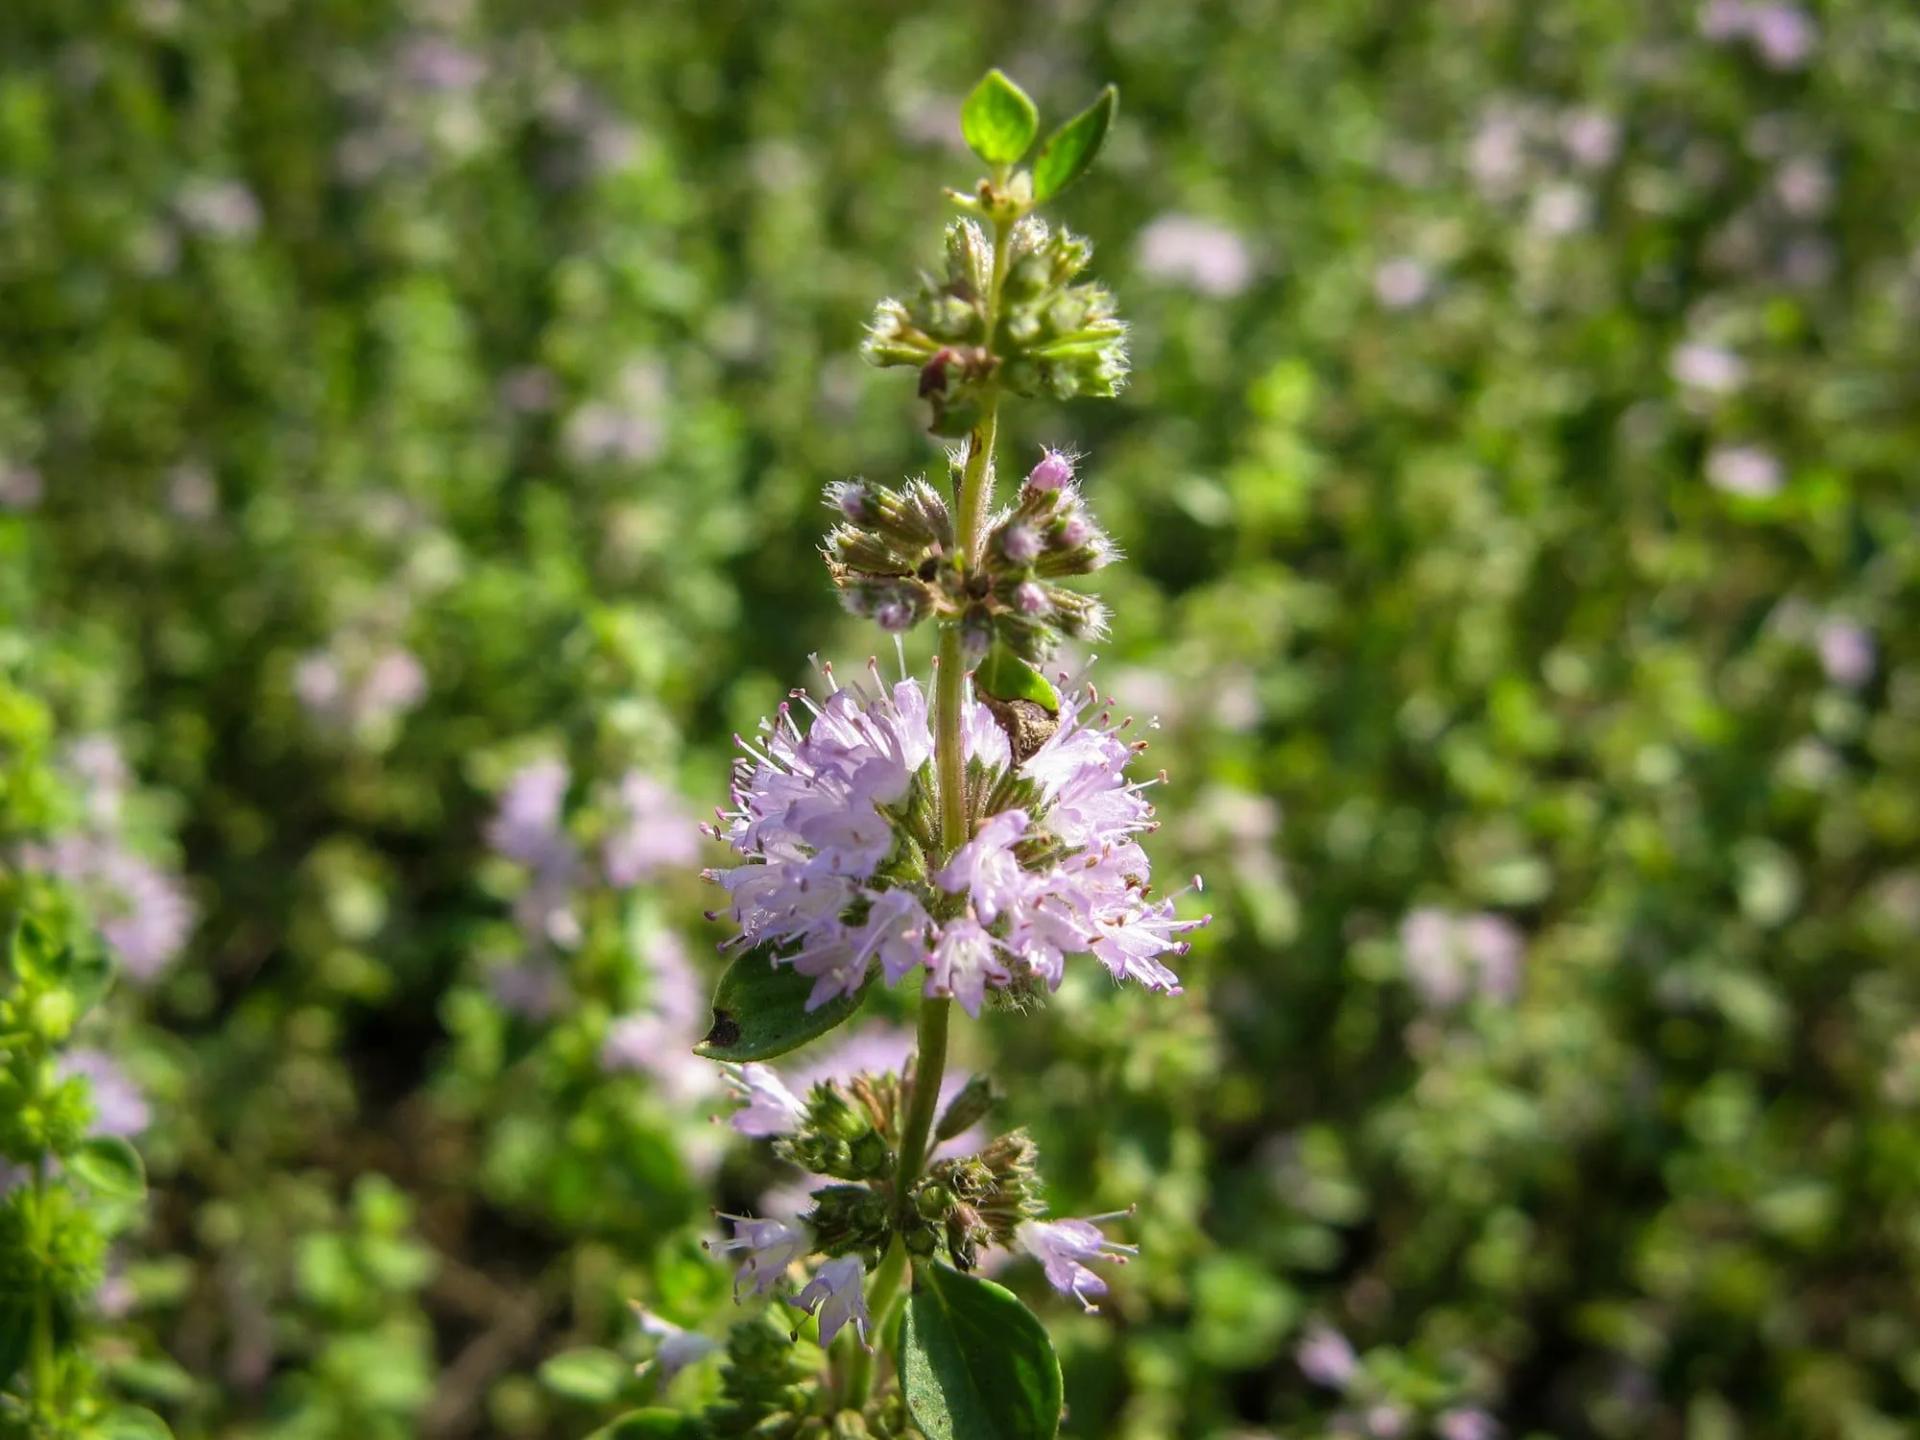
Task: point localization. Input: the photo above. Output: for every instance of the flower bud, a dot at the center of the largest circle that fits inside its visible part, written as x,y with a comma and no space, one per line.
1054,470
1030,599
831,1112
933,1201
920,1239
976,634
964,1233
870,1156
848,1217
967,1108
1017,542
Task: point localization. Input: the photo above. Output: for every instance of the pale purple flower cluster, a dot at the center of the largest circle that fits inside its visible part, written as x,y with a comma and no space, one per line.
1783,36
142,909
1744,470
1202,255
359,691
651,831
817,814
1449,957
659,1037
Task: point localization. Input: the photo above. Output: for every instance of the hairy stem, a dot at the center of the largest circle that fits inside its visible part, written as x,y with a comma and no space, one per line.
972,505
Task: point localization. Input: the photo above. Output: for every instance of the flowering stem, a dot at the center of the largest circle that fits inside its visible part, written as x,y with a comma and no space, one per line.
971,504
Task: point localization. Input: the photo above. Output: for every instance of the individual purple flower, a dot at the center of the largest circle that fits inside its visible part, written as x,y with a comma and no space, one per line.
1466,1422
768,1248
1744,470
1326,1357
119,1109
767,1106
1846,652
986,870
965,962
1030,599
1020,543
1054,470
654,832
835,1295
678,1347
1065,1248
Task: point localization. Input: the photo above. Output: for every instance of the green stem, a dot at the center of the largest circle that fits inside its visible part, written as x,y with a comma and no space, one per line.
972,505
930,1064
45,1368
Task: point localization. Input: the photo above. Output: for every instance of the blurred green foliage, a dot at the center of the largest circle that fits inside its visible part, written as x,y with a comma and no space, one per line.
1518,481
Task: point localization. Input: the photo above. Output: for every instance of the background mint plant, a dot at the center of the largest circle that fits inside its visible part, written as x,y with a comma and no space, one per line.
64,1193
1513,486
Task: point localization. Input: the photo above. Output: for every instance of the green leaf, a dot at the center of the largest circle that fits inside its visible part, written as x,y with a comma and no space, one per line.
16,1335
1070,149
974,1362
31,950
89,976
998,120
652,1423
760,1010
110,1167
1005,676
589,1375
132,1422
153,1377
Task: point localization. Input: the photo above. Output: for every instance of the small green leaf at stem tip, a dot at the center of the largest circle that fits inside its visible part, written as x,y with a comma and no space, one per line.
110,1167
1004,676
975,1364
998,120
760,1010
1070,150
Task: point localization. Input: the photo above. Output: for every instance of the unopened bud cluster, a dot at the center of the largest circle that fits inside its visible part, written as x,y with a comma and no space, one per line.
894,561
1054,338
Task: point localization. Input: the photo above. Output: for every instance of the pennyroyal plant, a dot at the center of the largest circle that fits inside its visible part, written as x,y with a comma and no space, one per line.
69,1181
970,842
